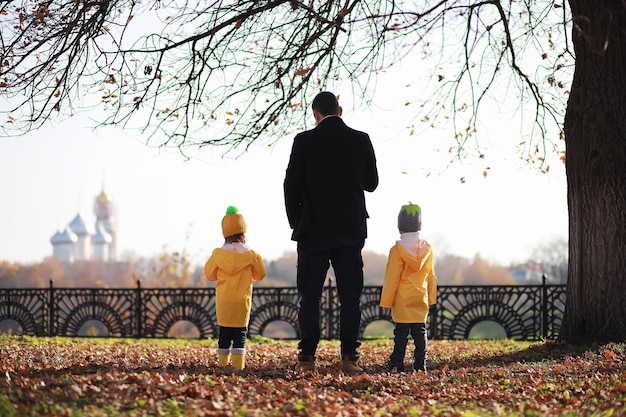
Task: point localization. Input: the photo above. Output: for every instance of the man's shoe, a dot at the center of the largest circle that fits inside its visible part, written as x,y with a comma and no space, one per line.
349,366
307,364
394,367
420,365
422,369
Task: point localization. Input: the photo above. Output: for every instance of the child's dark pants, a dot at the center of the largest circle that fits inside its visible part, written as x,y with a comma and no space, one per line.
401,337
236,335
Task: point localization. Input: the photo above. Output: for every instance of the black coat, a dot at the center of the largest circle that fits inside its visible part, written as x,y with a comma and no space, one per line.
330,168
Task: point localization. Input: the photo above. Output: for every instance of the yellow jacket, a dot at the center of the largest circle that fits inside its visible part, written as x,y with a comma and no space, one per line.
410,285
234,267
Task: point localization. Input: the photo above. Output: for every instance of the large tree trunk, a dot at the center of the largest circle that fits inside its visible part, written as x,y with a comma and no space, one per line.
595,135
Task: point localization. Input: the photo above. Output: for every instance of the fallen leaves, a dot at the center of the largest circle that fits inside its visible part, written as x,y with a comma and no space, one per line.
55,376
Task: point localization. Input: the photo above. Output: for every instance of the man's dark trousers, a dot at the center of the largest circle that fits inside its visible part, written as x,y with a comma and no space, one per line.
315,255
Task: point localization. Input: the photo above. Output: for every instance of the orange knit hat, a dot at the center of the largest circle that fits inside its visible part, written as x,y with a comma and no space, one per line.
233,222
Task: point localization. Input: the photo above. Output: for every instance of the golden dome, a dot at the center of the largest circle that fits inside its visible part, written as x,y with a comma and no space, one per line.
103,197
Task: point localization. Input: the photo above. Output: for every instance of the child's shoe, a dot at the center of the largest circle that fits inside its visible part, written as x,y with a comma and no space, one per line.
239,358
223,357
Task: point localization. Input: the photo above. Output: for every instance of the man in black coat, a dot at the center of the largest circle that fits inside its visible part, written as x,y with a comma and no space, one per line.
330,168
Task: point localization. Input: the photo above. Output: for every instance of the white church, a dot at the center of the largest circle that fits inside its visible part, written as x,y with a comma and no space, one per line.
81,241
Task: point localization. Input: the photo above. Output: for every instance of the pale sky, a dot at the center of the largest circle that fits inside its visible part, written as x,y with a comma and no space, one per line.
48,176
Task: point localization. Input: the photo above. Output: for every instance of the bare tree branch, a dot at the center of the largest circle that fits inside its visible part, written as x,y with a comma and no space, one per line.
231,73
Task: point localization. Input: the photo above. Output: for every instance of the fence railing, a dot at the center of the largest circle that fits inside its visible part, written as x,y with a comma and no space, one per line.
525,312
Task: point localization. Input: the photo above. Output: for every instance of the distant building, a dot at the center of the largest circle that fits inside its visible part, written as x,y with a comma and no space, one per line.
80,241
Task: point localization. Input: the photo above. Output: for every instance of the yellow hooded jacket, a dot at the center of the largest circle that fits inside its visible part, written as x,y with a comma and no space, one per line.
410,285
234,272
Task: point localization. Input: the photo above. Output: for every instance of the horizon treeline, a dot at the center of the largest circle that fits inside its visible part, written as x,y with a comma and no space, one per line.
175,270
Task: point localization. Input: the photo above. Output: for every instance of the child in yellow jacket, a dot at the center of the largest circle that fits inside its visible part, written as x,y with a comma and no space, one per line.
235,267
409,289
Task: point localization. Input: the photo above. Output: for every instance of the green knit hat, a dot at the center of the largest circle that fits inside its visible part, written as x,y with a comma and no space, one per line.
410,218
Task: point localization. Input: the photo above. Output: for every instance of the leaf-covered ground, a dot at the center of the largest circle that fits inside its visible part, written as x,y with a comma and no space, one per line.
113,377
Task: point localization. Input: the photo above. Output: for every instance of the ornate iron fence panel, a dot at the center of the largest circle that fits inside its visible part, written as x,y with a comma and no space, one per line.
329,313
274,304
552,310
28,309
73,308
370,311
512,307
528,312
160,309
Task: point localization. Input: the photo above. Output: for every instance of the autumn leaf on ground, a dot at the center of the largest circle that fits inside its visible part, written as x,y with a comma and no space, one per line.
130,377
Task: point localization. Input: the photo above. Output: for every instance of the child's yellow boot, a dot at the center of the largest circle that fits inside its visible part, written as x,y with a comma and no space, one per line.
239,358
223,356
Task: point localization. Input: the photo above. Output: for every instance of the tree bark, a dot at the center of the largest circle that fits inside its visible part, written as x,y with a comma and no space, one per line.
595,137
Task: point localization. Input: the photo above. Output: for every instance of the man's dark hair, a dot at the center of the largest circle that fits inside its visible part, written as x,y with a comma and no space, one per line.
326,103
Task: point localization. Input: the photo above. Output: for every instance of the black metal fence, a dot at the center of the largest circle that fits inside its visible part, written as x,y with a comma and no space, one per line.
525,312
